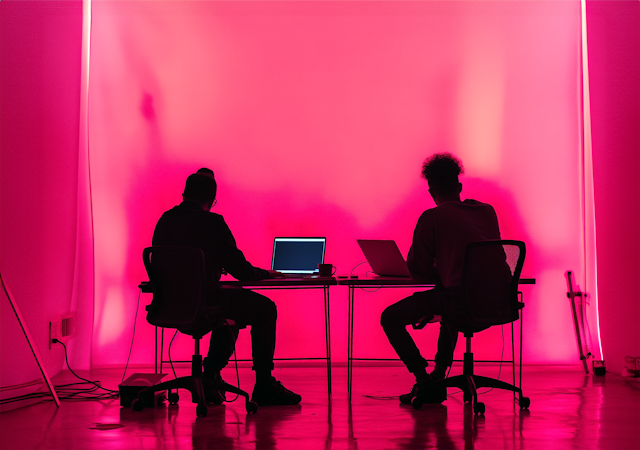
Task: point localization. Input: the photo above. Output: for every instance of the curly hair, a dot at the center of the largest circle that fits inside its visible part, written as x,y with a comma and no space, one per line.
441,170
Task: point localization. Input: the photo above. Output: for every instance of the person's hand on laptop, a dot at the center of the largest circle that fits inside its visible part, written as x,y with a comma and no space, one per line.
275,274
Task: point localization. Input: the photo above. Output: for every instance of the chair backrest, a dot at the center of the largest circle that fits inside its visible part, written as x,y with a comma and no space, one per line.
177,275
490,281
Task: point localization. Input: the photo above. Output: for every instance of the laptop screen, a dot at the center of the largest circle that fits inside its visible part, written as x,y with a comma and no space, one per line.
298,255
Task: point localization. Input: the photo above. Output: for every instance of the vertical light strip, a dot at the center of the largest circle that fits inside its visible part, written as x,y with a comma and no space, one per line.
589,218
84,227
84,76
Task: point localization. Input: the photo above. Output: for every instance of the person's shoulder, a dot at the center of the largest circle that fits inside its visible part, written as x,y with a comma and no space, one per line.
216,220
428,218
216,217
189,211
446,210
428,213
476,204
472,202
210,216
172,211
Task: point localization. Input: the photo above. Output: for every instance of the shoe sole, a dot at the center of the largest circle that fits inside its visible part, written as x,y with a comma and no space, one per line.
269,403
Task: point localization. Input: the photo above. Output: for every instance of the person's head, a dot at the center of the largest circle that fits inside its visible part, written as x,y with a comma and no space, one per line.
201,189
207,172
441,170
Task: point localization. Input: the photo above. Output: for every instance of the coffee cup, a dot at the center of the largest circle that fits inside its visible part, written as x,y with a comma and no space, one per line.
326,270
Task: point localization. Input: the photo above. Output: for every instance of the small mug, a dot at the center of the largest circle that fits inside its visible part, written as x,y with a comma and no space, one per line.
326,270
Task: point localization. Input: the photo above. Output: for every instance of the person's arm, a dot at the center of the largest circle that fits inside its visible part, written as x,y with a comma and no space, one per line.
233,260
421,258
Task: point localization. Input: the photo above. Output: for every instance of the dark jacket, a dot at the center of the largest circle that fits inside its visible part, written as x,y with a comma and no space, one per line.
188,225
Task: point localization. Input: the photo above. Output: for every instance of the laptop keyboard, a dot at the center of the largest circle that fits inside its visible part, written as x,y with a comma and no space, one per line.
300,275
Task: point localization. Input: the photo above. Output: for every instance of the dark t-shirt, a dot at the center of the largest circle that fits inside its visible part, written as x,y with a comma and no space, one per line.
441,238
188,225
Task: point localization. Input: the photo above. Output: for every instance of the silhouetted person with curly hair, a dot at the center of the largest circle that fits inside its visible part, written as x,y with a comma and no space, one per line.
437,256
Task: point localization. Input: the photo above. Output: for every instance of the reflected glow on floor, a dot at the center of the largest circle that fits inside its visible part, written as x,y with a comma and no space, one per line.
568,410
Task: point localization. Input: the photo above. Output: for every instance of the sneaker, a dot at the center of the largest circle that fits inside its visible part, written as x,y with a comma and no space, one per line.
438,375
405,399
428,395
425,379
274,393
213,395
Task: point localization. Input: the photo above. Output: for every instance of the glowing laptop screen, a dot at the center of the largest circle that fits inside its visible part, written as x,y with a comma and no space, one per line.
298,255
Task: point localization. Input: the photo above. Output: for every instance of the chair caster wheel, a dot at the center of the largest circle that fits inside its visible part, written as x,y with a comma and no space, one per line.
173,398
417,403
137,405
478,408
524,402
252,407
201,410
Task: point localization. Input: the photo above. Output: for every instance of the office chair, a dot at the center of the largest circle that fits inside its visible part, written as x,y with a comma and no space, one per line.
177,276
489,296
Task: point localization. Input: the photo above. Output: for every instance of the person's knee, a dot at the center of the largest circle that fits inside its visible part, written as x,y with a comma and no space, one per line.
269,310
388,317
273,309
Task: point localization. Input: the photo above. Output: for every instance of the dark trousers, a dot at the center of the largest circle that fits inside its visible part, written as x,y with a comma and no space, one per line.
244,307
411,310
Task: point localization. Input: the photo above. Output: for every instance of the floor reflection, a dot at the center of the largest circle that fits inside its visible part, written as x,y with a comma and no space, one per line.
267,431
568,410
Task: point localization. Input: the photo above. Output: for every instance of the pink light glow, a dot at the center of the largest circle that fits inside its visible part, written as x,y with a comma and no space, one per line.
316,117
590,264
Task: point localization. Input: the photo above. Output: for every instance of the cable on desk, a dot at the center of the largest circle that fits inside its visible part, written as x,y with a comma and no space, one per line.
357,265
369,290
366,273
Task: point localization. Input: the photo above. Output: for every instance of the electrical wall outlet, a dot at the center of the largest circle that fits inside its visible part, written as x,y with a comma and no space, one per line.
63,329
55,331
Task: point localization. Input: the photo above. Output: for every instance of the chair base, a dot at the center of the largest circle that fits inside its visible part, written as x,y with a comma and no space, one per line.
469,384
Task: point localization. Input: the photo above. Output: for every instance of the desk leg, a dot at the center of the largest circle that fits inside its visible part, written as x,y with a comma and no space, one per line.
327,331
513,361
350,344
161,348
155,362
520,362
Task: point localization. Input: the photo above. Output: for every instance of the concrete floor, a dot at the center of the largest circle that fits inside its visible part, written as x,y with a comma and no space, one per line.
568,411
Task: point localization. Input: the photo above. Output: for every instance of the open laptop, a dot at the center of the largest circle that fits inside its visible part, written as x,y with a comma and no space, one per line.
298,257
384,257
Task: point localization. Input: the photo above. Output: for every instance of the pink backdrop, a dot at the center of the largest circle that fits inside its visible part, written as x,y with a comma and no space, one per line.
316,117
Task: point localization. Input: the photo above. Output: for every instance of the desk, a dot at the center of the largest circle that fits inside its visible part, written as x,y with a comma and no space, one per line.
298,283
275,283
380,282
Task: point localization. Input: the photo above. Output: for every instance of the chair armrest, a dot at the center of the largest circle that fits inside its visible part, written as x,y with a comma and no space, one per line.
423,322
146,287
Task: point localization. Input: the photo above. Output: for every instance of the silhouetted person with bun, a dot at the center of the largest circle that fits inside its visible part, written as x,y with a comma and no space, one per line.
437,256
207,172
192,224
